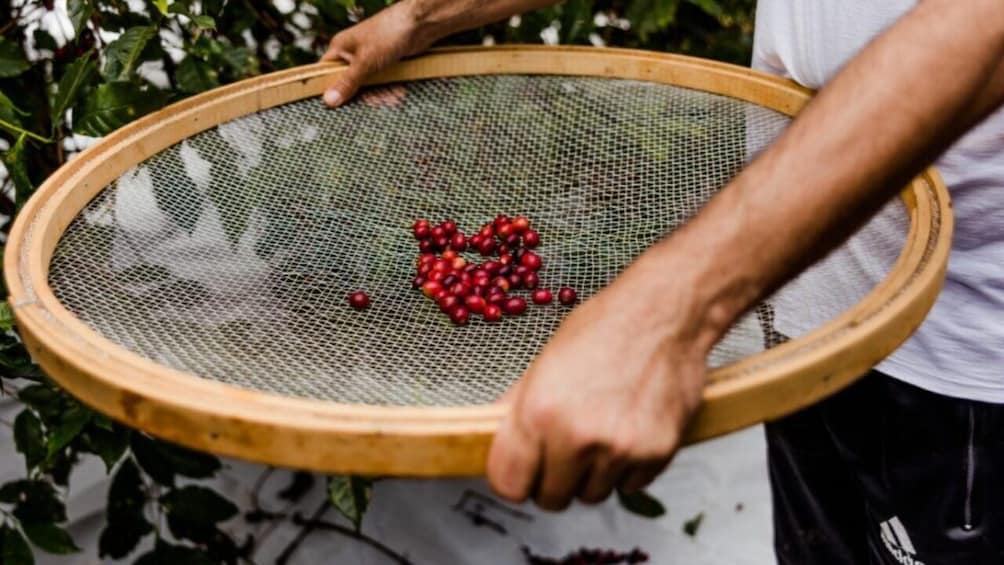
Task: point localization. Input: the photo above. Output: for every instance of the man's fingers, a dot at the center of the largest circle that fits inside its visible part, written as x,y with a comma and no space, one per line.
603,477
513,461
640,477
561,477
347,83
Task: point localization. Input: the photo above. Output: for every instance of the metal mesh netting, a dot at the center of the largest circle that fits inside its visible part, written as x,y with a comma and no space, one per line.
230,255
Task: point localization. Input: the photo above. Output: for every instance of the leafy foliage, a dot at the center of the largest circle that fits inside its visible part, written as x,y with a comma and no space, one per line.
118,65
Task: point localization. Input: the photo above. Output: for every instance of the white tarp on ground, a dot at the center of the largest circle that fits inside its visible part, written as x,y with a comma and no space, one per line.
726,479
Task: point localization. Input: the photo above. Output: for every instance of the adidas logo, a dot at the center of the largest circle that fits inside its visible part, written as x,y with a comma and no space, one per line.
897,541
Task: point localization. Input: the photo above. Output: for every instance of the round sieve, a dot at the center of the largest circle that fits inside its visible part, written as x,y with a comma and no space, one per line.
188,274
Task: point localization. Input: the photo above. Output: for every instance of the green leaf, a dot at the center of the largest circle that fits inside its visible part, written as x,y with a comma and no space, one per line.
198,504
648,16
204,22
300,484
350,495
44,40
162,460
15,162
38,502
161,6
125,495
10,493
114,104
43,398
240,59
123,54
690,526
80,12
76,75
9,112
49,538
12,61
126,522
194,75
71,422
108,445
120,538
179,7
14,550
166,554
29,438
6,316
151,460
710,7
641,503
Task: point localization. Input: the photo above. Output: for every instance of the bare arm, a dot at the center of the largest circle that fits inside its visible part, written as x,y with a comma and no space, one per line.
634,356
887,115
408,28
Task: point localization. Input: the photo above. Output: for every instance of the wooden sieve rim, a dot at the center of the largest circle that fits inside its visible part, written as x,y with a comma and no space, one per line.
428,441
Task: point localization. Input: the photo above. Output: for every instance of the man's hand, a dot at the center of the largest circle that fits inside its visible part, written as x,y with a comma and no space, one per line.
604,405
407,28
369,47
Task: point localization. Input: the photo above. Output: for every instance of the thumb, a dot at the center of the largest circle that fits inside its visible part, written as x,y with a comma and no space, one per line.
346,83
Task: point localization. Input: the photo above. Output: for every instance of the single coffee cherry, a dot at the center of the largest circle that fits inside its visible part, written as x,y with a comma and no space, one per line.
437,232
512,241
472,268
425,269
459,315
458,242
486,231
486,247
440,294
504,231
430,288
461,289
458,264
448,303
426,246
566,296
522,271
420,223
520,224
450,280
502,283
436,276
475,241
417,282
491,267
359,300
505,259
531,239
441,242
542,296
531,261
448,255
492,313
515,281
421,232
449,226
426,258
496,297
500,219
475,303
515,306
531,280
479,289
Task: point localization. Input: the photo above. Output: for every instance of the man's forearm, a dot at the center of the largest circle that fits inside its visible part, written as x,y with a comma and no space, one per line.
889,113
435,19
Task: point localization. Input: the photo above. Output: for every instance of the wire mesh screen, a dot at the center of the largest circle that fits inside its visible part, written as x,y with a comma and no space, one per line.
230,255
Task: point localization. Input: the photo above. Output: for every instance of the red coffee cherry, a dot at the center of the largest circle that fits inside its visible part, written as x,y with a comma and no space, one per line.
359,300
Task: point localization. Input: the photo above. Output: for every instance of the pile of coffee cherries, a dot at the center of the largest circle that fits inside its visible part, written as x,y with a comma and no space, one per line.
463,288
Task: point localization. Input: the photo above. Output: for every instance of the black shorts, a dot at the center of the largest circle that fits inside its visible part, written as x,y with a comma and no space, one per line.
888,473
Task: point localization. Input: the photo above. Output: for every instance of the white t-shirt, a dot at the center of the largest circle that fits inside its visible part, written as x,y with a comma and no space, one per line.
959,349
